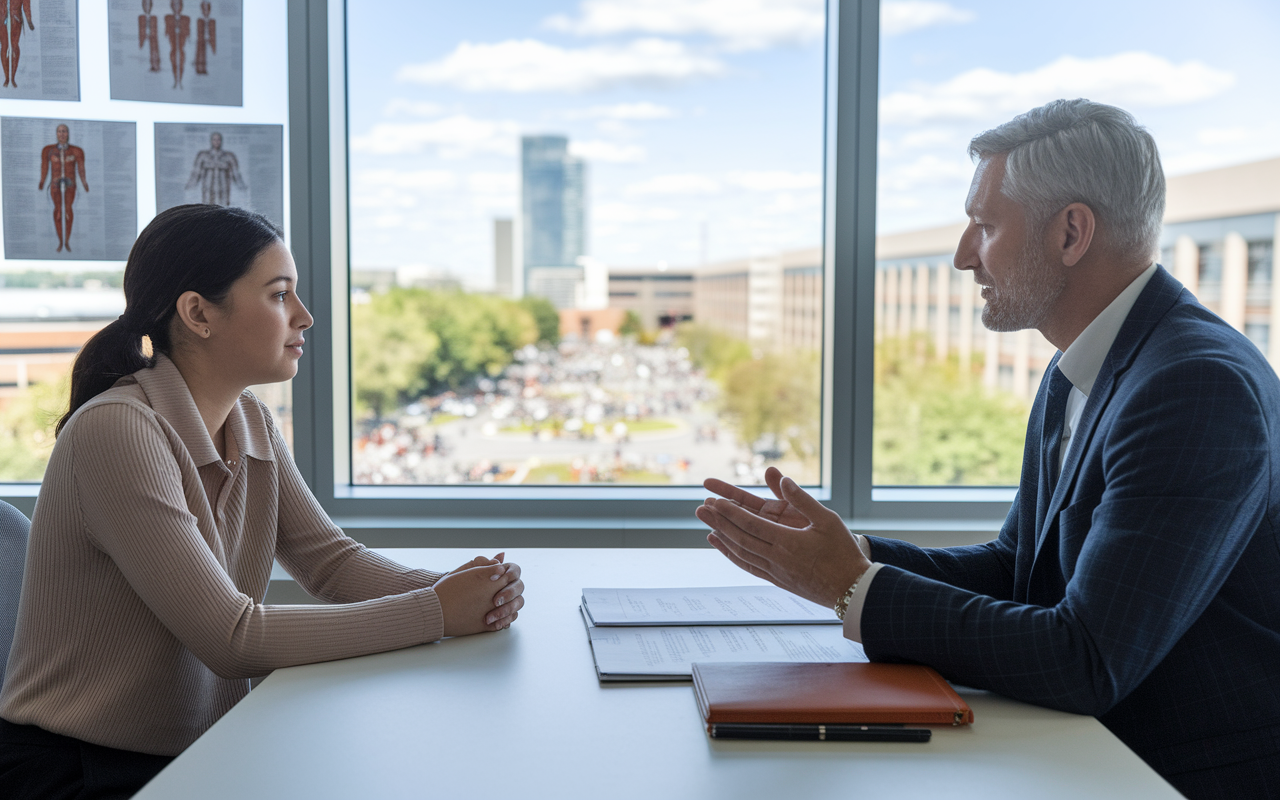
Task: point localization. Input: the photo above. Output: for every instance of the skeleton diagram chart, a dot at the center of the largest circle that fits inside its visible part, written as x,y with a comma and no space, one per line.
149,34
12,14
39,52
81,175
186,52
221,164
61,162
214,172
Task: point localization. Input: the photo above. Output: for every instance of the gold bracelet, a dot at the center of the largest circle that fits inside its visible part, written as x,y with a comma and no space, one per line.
842,605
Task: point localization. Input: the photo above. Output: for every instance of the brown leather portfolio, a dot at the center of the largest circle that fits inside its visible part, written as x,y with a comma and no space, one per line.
826,694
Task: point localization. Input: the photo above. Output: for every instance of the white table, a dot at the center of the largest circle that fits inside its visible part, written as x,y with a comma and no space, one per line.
519,714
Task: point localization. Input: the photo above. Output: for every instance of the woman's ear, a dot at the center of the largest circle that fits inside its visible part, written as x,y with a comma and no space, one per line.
193,310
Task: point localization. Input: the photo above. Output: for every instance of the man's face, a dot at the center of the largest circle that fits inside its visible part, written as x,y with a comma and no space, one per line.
64,134
215,141
1008,259
176,5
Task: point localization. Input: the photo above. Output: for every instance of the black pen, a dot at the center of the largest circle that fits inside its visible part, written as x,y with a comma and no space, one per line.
818,733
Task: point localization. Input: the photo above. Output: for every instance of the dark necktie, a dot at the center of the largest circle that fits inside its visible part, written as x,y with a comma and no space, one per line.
1055,412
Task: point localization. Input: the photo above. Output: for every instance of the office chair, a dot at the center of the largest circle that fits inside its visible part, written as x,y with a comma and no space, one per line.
14,529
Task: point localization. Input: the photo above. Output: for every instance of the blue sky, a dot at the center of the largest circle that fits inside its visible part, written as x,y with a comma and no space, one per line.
706,115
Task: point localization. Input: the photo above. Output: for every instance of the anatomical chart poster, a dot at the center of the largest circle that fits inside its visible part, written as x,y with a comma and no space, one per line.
176,51
70,188
38,50
227,165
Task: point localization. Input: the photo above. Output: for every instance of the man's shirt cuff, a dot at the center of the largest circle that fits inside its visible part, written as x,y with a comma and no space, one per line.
853,617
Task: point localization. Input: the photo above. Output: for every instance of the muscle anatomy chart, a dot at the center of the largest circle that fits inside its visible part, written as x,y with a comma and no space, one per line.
38,50
61,162
185,53
48,166
227,165
206,37
149,35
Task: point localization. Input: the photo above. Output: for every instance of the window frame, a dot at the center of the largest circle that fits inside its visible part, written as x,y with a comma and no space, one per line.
591,516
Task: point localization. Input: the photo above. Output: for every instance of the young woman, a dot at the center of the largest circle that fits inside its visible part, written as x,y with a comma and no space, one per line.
167,497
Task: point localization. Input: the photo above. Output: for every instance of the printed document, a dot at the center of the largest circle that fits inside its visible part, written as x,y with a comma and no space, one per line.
716,605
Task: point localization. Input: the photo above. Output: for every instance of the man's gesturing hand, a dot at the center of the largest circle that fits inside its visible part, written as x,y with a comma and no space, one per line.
794,542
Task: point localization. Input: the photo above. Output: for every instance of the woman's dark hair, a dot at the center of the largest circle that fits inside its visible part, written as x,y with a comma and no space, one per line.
193,248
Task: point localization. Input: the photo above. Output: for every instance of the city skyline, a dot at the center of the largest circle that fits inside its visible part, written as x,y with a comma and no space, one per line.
704,129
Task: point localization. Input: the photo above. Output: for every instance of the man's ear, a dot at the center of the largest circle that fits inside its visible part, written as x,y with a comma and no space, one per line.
193,310
1075,228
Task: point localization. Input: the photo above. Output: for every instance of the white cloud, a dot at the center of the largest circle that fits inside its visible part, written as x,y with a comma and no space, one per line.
739,24
499,183
399,106
1213,136
678,184
775,180
910,15
1125,79
791,202
458,136
528,65
928,170
425,180
624,111
627,213
609,152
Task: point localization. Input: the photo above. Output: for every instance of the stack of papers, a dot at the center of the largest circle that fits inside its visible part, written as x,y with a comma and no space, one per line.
657,634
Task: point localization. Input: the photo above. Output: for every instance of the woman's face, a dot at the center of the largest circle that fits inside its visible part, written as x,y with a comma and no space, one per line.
259,326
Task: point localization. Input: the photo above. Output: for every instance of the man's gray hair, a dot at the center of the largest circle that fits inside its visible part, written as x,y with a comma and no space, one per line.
1079,151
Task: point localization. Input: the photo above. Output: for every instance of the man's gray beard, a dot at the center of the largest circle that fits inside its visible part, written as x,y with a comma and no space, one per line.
1024,303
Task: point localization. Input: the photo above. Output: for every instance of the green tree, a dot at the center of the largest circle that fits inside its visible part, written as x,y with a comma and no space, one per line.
26,429
711,349
410,342
777,396
545,316
936,426
631,325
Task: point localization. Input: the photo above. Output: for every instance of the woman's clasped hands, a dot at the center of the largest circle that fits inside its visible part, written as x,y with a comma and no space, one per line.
483,594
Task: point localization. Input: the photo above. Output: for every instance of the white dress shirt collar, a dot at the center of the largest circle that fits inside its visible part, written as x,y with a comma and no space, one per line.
1083,358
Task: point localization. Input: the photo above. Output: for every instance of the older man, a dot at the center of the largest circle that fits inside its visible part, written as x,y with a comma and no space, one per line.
1137,575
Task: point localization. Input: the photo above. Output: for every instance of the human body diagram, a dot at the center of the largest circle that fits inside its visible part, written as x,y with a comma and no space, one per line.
177,28
61,162
215,170
12,15
149,34
206,37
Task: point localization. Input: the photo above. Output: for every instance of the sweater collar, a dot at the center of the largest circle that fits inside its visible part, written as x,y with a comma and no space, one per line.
167,392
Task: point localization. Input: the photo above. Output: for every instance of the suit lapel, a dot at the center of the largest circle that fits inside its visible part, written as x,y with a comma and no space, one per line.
1152,304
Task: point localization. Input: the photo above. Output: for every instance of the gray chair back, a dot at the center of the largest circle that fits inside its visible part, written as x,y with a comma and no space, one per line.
14,530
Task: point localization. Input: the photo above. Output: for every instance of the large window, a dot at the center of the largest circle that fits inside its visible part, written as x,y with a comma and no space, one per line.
569,258
952,398
586,242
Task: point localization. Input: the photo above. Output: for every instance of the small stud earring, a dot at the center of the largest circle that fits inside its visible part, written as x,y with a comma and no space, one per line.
206,333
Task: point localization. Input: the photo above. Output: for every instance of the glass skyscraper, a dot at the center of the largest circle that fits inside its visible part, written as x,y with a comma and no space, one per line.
553,217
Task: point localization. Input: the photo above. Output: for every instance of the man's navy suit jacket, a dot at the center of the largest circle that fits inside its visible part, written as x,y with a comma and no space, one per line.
1145,588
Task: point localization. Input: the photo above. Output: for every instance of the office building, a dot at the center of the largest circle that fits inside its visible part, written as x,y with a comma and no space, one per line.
1219,239
553,219
504,257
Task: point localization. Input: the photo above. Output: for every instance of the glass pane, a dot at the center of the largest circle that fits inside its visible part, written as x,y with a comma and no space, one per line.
586,241
67,232
951,399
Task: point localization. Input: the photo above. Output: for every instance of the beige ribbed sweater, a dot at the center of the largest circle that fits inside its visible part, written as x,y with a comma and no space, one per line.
141,619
